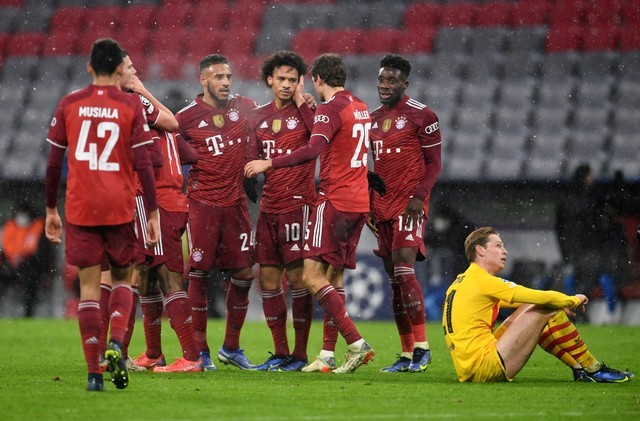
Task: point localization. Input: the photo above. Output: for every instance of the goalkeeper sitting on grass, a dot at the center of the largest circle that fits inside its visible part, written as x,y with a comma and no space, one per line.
481,354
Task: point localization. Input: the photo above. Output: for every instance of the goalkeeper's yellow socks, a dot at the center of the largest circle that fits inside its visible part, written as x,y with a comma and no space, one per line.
561,338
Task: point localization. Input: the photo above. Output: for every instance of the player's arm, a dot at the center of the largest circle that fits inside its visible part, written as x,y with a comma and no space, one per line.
53,223
299,156
551,299
155,151
166,120
252,152
188,154
431,144
305,103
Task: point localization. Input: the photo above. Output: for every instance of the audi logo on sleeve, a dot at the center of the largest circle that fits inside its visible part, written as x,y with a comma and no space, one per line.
431,128
321,118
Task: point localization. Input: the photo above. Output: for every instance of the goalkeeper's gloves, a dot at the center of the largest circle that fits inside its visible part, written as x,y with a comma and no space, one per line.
376,183
251,189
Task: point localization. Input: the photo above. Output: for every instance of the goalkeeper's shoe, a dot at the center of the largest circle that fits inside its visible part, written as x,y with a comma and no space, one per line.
272,361
95,383
401,365
235,358
116,365
207,364
132,366
181,365
323,365
603,375
290,363
420,361
149,363
355,359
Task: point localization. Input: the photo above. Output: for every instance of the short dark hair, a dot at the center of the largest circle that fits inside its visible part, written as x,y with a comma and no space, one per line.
479,237
125,53
397,62
283,58
106,56
212,59
331,68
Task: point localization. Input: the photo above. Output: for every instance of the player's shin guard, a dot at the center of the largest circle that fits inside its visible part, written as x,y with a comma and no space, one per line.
89,323
152,323
105,296
237,306
568,339
302,312
119,311
412,299
275,311
333,306
403,324
177,305
198,298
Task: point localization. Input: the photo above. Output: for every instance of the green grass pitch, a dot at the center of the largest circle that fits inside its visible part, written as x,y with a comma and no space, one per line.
42,377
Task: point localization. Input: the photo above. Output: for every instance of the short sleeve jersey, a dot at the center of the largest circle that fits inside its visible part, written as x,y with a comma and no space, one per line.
397,138
344,123
99,125
169,178
219,136
272,133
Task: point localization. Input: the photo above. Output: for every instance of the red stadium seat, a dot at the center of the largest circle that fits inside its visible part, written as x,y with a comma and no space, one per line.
137,16
600,38
417,42
309,43
12,3
135,39
245,18
530,13
345,41
567,12
421,15
458,14
631,14
68,18
563,39
494,14
25,44
215,18
603,13
205,42
85,42
103,18
168,42
630,39
174,16
61,42
381,40
247,67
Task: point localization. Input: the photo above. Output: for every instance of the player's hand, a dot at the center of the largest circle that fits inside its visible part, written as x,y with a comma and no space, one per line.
251,189
371,223
310,100
153,229
137,85
376,183
253,168
414,210
582,306
53,226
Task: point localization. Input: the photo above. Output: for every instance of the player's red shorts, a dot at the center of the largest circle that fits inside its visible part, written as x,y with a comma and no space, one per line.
219,236
86,246
333,235
169,248
280,237
392,236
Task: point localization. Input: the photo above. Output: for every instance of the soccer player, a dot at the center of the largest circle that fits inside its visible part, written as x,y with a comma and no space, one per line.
219,228
340,136
473,300
106,133
279,128
404,135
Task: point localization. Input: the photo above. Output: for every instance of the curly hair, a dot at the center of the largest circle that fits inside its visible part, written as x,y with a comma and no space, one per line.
283,58
397,62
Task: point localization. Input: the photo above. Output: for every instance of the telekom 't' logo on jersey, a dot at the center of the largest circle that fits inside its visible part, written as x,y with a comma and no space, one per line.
377,147
214,144
268,148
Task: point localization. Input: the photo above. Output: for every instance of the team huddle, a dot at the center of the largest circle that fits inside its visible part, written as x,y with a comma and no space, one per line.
126,214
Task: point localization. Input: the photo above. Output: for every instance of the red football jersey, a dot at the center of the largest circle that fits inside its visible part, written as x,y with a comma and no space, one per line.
344,122
99,125
272,133
398,137
219,137
169,177
152,114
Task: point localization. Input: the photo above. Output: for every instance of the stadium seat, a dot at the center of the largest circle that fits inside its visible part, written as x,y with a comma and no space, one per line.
587,144
422,15
215,18
600,38
565,13
241,44
54,70
173,16
346,41
520,66
631,14
309,42
442,97
603,13
464,168
458,14
537,168
494,13
383,40
527,40
504,165
273,39
626,121
8,19
629,68
550,121
478,94
61,43
564,38
530,13
510,121
25,44
628,94
557,68
486,70
417,42
384,14
64,18
630,38
317,16
351,15
548,145
590,94
591,120
170,42
85,43
140,16
516,95
209,43
487,40
136,40
246,18
103,18
597,67
34,19
363,69
12,3
473,121
454,40
448,67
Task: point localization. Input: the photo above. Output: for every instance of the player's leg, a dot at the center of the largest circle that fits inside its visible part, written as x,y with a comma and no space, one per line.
89,321
413,302
302,312
105,296
151,302
177,305
135,298
275,312
518,340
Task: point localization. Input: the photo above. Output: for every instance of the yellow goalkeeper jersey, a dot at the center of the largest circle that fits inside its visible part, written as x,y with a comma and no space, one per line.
471,308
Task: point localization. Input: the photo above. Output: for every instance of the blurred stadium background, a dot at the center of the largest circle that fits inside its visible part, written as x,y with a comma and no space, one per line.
525,91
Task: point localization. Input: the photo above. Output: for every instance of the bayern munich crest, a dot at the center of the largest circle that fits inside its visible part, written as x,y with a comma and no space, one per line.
196,254
233,114
401,122
292,123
